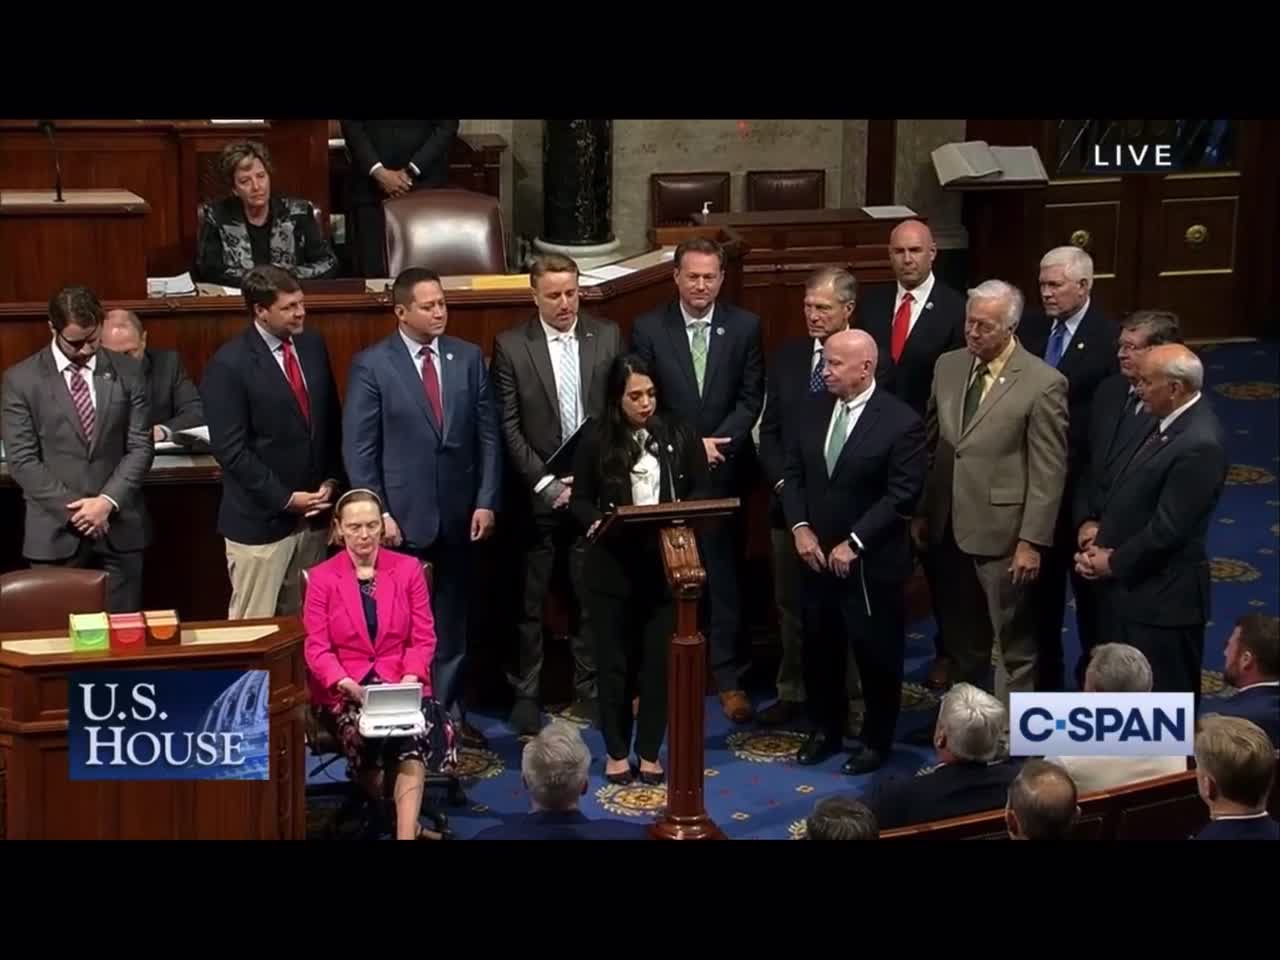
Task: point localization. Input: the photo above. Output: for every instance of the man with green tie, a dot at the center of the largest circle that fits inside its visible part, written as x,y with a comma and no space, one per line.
997,420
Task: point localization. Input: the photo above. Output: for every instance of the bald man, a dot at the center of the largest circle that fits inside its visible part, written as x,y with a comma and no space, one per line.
1042,803
175,401
1147,548
854,476
914,322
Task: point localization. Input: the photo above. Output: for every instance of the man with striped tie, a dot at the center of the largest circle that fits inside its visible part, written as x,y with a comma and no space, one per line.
550,373
77,436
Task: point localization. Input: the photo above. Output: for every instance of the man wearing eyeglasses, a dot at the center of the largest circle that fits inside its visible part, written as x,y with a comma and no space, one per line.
77,436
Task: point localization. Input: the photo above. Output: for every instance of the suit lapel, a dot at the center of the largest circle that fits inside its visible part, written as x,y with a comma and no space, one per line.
1003,384
271,373
865,424
540,356
104,377
716,348
586,359
450,384
411,378
61,394
680,344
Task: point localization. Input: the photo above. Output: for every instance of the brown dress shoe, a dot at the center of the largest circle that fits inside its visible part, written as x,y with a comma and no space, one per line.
939,674
736,706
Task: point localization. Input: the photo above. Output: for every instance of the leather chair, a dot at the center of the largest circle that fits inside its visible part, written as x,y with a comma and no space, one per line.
43,597
674,198
786,189
453,232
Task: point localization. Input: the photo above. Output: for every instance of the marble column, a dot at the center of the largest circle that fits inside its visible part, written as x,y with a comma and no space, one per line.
577,188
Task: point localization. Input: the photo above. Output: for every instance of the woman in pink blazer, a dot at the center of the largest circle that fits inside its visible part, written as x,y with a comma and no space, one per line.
368,621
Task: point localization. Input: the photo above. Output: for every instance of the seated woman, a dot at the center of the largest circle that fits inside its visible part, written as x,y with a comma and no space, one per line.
368,621
631,457
253,228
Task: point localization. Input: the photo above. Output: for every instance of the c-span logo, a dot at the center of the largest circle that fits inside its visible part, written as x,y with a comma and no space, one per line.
1101,724
168,725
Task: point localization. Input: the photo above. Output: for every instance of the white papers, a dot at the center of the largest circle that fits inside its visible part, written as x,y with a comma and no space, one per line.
978,163
597,275
889,212
180,286
229,122
198,433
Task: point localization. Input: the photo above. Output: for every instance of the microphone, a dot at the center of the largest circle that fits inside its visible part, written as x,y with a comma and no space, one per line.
46,127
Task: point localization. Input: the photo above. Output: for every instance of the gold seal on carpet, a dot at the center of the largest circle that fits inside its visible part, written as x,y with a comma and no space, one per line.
917,697
633,800
478,764
765,746
1212,682
1226,570
798,830
1248,390
1240,475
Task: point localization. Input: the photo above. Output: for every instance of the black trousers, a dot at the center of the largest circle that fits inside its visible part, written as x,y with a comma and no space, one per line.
633,637
124,571
367,230
1049,600
719,546
837,620
1176,654
450,576
551,537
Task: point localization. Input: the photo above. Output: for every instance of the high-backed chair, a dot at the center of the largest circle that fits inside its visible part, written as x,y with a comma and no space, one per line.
675,197
786,189
453,232
43,597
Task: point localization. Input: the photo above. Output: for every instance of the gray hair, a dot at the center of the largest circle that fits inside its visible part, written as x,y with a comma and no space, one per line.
999,290
843,283
1118,668
1075,263
841,818
973,722
554,766
1161,326
1185,368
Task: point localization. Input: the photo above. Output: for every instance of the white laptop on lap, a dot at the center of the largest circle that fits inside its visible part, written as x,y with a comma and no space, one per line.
392,710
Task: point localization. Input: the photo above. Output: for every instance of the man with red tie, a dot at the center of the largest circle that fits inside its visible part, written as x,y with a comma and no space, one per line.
274,427
913,323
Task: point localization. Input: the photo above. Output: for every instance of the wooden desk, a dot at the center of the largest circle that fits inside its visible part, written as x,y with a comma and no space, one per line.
42,803
94,237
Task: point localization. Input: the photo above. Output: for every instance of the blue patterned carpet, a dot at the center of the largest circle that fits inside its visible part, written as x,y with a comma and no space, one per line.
754,790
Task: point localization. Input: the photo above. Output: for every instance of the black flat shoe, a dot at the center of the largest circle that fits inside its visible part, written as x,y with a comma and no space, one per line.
621,779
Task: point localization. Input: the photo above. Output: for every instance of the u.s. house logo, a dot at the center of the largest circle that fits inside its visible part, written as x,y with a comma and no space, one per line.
168,725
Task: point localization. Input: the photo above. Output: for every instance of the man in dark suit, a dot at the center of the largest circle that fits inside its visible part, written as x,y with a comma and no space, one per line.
174,400
709,368
914,323
75,434
1253,668
555,766
972,776
1118,422
1074,336
421,430
1149,541
854,476
389,158
274,428
551,373
794,378
1235,773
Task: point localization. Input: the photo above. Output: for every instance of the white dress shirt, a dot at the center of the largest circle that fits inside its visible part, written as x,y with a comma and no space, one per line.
274,344
1073,324
64,365
415,349
919,297
556,350
646,475
690,320
1165,423
853,411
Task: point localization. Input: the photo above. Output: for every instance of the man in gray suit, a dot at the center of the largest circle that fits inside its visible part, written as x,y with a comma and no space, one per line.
551,373
77,435
997,421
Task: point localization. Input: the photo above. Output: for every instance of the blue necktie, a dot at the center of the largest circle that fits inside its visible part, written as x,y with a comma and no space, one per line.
815,378
1057,342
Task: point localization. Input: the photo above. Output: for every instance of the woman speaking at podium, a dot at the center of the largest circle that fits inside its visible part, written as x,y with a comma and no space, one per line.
631,457
368,621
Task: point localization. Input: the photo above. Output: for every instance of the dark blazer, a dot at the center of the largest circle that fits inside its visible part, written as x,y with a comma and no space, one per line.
1260,705
261,440
570,825
1113,436
54,463
733,386
395,144
430,480
877,483
952,790
175,401
526,383
620,561
786,398
1090,359
939,329
1157,516
1255,828
224,253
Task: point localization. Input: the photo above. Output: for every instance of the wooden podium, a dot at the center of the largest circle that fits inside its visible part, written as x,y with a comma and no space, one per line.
685,817
38,801
93,237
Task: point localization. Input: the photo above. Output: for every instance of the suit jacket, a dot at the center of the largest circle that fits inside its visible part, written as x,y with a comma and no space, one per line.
567,825
1255,828
620,561
939,329
395,144
1000,480
874,490
526,383
224,252
1113,436
787,398
54,463
951,790
1156,518
1090,359
1260,705
430,480
175,401
733,384
338,643
264,445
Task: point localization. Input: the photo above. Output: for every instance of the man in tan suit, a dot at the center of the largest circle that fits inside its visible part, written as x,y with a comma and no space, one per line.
997,421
